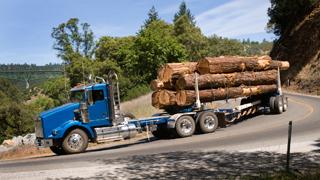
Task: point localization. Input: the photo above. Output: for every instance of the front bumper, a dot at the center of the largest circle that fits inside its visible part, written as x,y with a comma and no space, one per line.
43,142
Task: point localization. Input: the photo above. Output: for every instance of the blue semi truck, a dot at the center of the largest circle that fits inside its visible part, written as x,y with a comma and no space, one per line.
94,115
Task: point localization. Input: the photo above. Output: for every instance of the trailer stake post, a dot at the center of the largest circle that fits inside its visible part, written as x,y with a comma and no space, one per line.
289,146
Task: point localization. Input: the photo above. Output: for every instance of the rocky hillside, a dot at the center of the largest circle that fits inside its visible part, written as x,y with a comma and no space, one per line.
301,47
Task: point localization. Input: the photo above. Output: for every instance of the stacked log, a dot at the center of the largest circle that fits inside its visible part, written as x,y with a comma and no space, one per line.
220,78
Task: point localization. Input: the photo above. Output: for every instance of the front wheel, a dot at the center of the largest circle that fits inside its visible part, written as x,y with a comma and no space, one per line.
75,142
185,126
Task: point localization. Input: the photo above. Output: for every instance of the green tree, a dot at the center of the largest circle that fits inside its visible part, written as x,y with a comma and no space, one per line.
219,46
8,90
57,89
152,16
72,40
184,11
285,14
155,45
115,49
189,34
15,119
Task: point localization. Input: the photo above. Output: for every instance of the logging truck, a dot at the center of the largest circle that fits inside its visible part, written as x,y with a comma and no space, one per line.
94,115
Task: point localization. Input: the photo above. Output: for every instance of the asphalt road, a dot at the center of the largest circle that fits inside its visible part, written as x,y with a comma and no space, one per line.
262,133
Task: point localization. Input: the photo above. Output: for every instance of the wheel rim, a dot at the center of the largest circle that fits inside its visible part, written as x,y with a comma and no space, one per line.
75,141
186,126
209,122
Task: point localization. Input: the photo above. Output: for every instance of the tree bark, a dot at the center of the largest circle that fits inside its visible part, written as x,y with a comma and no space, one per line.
211,81
164,98
238,64
158,85
167,72
188,97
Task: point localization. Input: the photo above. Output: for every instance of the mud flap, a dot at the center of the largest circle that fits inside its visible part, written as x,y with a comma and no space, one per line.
221,119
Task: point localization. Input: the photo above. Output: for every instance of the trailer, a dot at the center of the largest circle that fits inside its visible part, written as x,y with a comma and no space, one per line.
95,116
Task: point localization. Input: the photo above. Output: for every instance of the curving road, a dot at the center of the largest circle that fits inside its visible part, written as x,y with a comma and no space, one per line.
263,133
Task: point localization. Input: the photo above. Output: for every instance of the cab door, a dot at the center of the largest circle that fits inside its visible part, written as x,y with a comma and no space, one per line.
98,108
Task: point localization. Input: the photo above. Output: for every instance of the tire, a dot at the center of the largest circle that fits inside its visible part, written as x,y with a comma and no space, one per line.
208,122
75,142
278,105
162,132
185,126
57,150
285,103
271,104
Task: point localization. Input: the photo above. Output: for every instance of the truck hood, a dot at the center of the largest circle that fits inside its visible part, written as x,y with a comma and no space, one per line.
66,108
56,117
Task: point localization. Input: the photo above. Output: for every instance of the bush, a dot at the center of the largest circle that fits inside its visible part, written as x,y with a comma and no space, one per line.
137,91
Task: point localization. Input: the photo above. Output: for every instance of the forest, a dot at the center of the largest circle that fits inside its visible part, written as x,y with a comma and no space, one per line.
134,58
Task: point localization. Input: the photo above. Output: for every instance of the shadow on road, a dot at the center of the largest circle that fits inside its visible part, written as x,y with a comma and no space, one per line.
317,144
202,165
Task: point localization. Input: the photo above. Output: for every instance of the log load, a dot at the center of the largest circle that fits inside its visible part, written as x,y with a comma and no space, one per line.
211,81
169,70
188,97
164,98
217,65
157,85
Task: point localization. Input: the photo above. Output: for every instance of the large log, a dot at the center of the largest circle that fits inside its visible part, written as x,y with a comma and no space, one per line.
211,81
188,97
168,71
158,85
216,65
164,98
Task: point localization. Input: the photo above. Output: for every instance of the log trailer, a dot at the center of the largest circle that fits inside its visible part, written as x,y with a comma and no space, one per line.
94,115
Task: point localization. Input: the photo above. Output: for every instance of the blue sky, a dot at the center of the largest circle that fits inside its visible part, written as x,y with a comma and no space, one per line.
26,25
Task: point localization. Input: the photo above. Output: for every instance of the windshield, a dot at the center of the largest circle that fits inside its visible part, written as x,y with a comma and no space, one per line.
77,96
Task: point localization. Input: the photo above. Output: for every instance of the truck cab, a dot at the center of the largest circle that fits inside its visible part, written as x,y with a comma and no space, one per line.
69,128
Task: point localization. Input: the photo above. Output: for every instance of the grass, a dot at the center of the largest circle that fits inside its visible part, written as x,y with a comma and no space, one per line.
24,151
140,107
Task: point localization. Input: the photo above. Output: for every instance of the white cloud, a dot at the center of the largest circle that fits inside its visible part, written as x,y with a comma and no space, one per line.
235,18
107,30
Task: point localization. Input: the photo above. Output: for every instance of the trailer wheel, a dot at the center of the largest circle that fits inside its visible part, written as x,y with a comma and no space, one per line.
271,104
208,122
75,142
278,105
185,126
285,103
57,150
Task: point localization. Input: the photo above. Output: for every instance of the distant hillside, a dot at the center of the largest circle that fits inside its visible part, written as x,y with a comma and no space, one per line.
24,75
301,47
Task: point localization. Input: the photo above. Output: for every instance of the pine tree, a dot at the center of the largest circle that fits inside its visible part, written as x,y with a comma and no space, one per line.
189,34
183,10
152,16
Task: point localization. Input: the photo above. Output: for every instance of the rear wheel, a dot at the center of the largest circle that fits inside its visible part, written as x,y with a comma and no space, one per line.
75,142
278,105
271,103
208,122
285,103
185,126
57,150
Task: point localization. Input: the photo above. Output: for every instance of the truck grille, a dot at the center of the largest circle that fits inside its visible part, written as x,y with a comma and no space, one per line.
38,127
